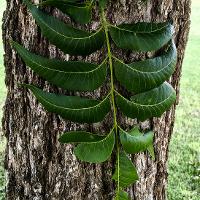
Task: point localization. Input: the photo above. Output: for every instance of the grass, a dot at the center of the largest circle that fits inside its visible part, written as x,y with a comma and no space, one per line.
184,156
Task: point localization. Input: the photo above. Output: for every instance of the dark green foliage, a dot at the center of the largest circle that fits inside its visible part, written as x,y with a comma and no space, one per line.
146,80
103,3
96,152
127,171
92,148
70,40
79,12
121,195
142,36
73,108
145,75
152,103
78,76
80,137
135,141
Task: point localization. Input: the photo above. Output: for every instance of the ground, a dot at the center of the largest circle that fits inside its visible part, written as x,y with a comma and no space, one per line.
184,156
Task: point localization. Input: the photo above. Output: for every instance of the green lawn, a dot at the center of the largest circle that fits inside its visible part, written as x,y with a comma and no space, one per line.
184,158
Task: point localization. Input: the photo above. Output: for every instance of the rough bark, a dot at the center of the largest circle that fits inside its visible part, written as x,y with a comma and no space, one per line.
38,167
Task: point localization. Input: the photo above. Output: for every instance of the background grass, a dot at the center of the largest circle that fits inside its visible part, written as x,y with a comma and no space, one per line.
184,156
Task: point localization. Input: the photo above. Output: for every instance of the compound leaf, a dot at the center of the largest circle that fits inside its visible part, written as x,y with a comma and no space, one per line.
79,12
152,103
96,152
145,75
78,76
135,141
68,39
121,195
80,137
73,108
142,36
126,171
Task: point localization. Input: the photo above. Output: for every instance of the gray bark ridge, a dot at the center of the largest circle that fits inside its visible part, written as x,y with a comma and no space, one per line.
38,167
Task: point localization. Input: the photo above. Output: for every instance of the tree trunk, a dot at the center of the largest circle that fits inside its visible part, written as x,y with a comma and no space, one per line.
38,167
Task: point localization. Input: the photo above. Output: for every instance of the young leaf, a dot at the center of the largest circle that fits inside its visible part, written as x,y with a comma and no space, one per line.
78,76
145,75
127,173
73,108
68,39
152,103
79,12
122,196
96,152
134,142
142,36
80,137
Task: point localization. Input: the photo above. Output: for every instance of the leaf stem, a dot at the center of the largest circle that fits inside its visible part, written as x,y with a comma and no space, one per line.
105,26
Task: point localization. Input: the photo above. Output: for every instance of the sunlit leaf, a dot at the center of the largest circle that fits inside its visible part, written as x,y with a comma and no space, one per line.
127,172
152,103
142,36
73,108
96,152
145,75
72,75
68,39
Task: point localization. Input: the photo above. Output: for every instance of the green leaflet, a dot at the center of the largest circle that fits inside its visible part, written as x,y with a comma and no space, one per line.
142,36
145,75
68,39
122,196
80,137
134,142
152,103
127,172
136,132
78,76
96,152
103,3
73,108
79,12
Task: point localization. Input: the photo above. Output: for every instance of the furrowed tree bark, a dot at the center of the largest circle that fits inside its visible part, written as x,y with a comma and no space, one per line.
38,167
